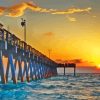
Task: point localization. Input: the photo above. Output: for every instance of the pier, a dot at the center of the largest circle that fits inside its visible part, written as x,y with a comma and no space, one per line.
26,63
30,63
67,65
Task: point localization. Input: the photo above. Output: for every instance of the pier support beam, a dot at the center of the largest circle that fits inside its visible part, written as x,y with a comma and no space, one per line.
64,71
75,71
20,74
3,80
13,70
7,71
31,70
26,70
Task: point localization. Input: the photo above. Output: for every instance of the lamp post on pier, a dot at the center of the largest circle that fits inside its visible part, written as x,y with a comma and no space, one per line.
23,24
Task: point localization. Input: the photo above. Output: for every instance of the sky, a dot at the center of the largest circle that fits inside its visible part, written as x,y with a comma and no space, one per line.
69,29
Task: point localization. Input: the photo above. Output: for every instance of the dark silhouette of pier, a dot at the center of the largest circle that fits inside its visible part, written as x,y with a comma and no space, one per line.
67,65
30,63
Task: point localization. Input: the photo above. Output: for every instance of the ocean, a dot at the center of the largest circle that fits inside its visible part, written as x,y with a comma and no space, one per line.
81,87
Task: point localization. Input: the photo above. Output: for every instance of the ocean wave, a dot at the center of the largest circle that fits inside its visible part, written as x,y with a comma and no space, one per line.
81,87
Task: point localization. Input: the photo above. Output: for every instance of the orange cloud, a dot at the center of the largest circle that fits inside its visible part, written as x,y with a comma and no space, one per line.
1,10
18,10
71,61
79,62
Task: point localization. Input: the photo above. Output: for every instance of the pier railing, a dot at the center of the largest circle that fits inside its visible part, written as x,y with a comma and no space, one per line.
29,62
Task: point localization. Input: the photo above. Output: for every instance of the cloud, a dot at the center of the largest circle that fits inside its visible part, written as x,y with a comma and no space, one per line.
61,61
19,9
2,10
72,19
77,61
72,10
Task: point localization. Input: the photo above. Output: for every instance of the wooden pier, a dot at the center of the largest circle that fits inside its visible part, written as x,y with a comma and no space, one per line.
35,64
24,59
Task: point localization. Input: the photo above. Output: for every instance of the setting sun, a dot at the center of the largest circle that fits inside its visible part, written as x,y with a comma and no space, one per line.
98,66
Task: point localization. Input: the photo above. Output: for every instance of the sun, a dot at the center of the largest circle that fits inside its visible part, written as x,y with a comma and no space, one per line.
98,66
